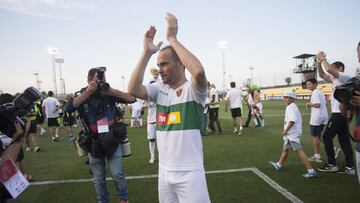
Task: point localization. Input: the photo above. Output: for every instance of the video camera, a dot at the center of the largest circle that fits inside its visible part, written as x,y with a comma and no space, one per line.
343,94
345,91
10,110
102,84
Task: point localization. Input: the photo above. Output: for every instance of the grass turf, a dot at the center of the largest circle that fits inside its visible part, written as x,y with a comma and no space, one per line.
59,161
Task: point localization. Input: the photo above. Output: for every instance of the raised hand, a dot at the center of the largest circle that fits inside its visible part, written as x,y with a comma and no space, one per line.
149,45
320,56
172,28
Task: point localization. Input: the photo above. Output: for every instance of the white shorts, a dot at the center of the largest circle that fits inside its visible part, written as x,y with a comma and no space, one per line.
151,131
182,186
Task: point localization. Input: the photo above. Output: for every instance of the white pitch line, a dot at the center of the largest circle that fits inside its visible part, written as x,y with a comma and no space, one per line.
276,186
268,180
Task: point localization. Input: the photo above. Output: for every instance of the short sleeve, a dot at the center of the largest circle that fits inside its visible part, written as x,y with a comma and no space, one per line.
152,91
316,98
291,114
344,78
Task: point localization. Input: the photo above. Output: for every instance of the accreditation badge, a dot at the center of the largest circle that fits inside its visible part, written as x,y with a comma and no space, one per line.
103,125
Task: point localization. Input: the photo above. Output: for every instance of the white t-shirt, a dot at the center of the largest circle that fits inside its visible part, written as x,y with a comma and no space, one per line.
335,83
179,115
292,113
250,99
214,92
50,105
151,118
207,102
136,108
319,116
235,97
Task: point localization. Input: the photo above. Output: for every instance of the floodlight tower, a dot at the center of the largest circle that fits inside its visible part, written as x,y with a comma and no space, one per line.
37,81
62,84
53,52
251,74
223,46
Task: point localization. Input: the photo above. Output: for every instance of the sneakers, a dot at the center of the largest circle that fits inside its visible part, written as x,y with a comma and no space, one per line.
313,158
28,149
36,148
329,168
71,138
152,160
240,132
42,131
235,131
350,171
275,165
55,139
310,175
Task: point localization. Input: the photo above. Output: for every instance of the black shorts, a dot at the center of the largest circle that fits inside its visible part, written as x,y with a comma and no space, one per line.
68,120
53,122
32,128
316,130
40,119
236,112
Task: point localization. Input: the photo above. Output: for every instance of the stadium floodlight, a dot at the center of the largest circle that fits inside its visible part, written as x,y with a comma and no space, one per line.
60,61
53,52
223,45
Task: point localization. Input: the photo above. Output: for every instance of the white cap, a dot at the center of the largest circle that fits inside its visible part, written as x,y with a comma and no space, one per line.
290,94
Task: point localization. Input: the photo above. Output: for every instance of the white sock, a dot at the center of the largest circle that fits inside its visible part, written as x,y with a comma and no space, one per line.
311,170
141,123
57,136
235,128
317,156
241,127
277,163
132,122
152,149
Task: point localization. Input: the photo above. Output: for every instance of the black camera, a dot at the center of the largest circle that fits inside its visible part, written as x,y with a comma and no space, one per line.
102,84
10,109
345,91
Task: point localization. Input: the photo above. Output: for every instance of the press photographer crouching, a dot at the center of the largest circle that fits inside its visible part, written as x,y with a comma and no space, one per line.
13,127
102,136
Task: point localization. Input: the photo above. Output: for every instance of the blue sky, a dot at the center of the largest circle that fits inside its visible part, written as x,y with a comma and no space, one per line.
89,33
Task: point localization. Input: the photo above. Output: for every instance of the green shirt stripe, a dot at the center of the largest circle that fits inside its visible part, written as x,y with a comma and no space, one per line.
190,116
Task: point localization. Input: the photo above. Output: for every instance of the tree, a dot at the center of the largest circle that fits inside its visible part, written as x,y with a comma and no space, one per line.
288,80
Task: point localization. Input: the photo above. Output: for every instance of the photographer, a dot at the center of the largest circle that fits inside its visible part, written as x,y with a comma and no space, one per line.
96,106
337,123
13,130
355,102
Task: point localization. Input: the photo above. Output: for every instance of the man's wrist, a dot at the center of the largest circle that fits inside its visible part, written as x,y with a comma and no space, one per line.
172,40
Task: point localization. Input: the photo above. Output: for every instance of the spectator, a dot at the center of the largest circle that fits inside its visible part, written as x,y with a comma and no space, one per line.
355,101
180,105
292,135
214,110
31,117
319,116
234,97
337,124
51,106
